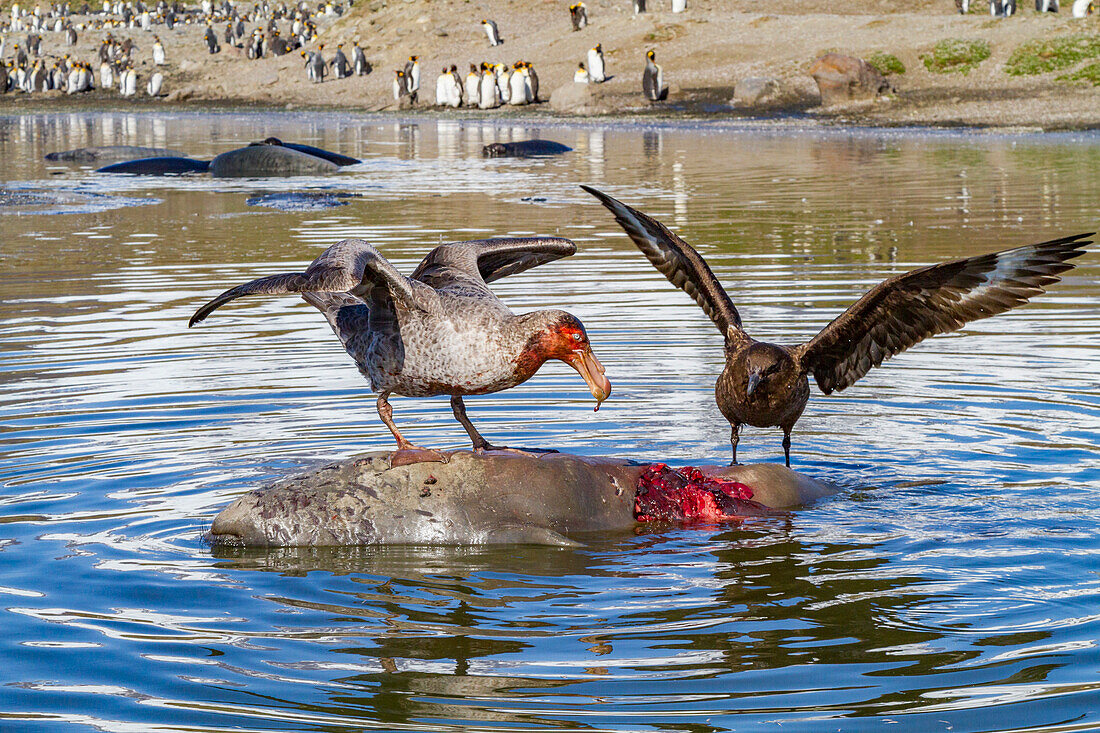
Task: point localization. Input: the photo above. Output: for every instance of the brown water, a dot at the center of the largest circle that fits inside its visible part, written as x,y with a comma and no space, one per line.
953,585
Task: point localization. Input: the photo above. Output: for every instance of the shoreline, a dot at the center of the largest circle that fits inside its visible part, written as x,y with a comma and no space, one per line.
780,122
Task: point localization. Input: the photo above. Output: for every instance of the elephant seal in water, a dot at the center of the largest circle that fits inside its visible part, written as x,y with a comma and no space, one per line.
162,166
494,498
111,153
237,163
259,161
524,149
269,160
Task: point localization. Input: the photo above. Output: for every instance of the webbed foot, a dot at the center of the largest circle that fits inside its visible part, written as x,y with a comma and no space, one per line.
409,454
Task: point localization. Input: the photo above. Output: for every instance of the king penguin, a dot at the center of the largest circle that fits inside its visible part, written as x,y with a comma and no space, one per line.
595,64
578,14
359,61
580,76
473,82
412,75
517,86
454,96
158,52
533,80
400,86
653,79
443,88
487,88
492,32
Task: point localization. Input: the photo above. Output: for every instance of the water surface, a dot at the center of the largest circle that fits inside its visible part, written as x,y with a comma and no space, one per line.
952,585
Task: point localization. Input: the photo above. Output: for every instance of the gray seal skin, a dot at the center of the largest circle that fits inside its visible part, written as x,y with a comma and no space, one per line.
337,158
257,161
162,166
470,499
524,149
111,154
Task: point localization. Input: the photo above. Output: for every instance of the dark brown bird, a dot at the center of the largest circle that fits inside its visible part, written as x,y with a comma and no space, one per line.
441,331
766,385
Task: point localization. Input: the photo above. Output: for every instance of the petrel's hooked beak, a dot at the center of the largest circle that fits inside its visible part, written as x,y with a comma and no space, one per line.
590,368
754,380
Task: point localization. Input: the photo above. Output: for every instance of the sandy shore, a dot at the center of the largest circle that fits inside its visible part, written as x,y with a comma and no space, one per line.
705,52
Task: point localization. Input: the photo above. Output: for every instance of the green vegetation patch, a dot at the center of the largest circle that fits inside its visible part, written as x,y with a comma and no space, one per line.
664,33
886,63
956,55
1052,54
1090,74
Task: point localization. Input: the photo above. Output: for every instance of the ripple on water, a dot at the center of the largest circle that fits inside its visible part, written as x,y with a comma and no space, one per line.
952,584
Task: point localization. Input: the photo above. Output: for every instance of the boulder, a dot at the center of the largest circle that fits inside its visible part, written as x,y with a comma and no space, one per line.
842,79
494,498
756,91
579,99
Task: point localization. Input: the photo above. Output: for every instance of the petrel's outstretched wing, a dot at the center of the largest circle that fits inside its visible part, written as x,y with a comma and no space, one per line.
482,261
351,266
677,260
906,309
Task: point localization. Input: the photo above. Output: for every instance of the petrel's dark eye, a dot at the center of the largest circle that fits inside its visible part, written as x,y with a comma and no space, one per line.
576,337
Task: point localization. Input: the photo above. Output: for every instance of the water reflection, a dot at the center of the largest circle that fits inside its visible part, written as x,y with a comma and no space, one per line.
954,583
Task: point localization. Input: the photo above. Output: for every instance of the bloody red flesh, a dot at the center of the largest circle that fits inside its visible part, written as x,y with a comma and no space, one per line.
688,495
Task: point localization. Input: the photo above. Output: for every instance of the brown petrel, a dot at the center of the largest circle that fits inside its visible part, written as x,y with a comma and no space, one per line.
767,385
441,331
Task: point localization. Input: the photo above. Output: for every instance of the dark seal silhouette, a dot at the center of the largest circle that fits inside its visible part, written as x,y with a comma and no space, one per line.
163,166
257,161
337,158
524,149
272,157
109,153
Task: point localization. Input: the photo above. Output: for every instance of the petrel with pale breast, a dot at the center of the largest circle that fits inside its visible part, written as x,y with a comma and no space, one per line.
767,385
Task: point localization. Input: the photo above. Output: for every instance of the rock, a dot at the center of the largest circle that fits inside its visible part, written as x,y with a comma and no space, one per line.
579,99
467,499
756,91
268,79
843,78
188,65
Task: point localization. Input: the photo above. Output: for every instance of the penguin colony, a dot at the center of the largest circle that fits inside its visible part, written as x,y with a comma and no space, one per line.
260,31
41,61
